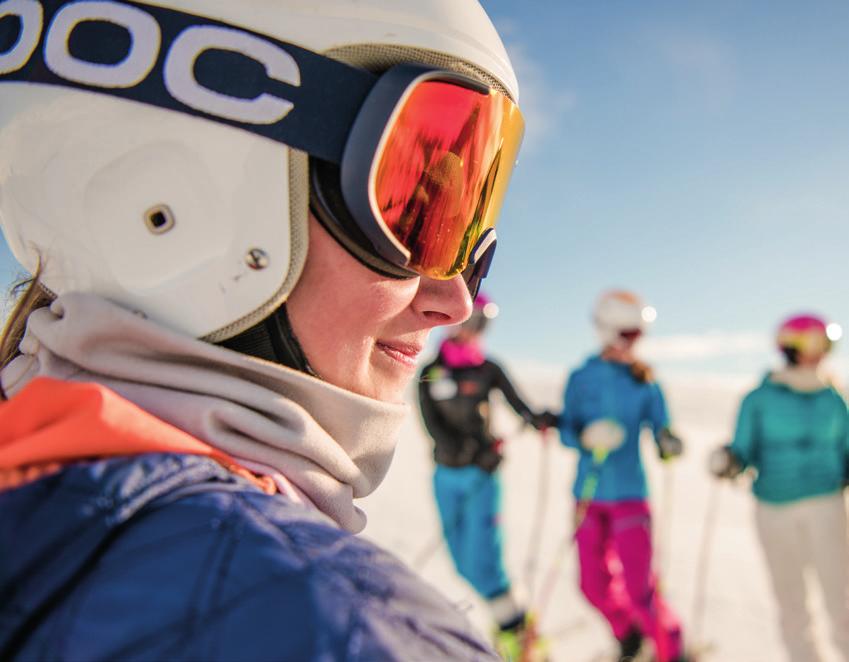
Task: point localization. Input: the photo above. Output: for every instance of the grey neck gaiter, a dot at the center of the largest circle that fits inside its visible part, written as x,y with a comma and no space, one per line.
333,445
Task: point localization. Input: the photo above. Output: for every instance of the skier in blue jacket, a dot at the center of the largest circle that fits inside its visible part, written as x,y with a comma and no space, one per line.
241,221
607,403
793,432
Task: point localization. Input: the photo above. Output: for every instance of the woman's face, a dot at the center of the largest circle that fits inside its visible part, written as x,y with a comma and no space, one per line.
363,331
622,351
809,360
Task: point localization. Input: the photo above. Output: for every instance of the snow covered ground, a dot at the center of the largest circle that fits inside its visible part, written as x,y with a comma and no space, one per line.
739,618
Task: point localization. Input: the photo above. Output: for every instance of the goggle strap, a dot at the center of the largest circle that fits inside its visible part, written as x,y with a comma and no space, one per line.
325,98
480,261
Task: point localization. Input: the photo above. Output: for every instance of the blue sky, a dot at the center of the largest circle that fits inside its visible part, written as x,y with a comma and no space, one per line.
695,152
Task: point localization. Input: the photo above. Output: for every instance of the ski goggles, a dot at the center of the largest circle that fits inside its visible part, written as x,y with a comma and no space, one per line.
441,148
423,155
806,343
630,334
480,318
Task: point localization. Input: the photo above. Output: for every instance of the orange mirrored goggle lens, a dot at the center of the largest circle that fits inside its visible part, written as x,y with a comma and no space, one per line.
443,171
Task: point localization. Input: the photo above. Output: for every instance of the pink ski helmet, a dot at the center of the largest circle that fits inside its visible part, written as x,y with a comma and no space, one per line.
483,310
806,335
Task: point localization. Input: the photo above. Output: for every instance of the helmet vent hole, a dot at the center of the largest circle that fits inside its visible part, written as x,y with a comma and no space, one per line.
159,219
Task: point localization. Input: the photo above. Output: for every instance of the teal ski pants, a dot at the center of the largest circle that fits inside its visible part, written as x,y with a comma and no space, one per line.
469,502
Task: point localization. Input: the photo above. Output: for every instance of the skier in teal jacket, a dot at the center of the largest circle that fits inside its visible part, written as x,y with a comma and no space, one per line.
793,432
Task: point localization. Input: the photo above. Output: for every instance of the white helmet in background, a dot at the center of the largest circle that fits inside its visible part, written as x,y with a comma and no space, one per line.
133,175
620,317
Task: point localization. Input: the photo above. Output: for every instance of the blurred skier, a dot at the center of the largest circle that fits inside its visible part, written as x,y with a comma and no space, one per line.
454,392
793,430
607,402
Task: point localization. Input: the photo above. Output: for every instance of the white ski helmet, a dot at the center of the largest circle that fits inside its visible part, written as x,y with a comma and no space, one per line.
621,316
195,218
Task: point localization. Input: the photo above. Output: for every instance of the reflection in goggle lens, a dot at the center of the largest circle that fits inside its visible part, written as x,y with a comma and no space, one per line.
444,170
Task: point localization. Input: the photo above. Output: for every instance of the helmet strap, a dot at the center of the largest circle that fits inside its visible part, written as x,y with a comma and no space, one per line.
272,339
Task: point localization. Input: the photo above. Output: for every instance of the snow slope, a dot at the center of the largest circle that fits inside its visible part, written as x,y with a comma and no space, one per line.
739,618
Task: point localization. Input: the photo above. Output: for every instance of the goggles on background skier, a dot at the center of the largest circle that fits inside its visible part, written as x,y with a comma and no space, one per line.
484,311
621,317
419,157
630,334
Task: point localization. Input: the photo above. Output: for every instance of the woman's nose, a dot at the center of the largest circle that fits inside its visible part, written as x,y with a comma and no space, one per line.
443,302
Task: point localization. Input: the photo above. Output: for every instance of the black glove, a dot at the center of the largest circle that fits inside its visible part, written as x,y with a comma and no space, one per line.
545,419
722,463
488,457
669,445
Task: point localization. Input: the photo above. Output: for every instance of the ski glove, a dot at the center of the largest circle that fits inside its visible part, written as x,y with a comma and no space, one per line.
488,456
669,445
604,435
722,463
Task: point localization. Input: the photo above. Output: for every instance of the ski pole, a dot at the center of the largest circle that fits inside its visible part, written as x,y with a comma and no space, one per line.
426,554
552,574
664,527
700,591
532,554
588,491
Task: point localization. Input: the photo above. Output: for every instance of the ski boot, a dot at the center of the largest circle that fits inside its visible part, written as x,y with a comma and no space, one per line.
630,645
521,642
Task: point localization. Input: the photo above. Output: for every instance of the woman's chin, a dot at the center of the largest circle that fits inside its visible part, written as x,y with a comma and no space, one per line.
388,378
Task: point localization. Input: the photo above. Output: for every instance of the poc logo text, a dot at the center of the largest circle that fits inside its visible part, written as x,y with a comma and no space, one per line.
146,48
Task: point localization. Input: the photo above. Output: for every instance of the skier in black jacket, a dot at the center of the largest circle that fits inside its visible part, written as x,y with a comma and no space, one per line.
454,395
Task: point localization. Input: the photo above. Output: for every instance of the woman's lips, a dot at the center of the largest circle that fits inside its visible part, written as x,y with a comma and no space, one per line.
404,353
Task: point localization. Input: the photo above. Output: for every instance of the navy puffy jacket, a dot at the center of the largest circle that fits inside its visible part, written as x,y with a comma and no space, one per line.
172,557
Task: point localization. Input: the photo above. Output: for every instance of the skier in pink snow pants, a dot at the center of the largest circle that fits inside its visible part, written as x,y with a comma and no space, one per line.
607,402
615,556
